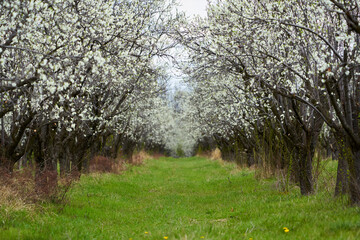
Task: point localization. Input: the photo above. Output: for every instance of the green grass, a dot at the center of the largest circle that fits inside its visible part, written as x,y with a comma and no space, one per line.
186,198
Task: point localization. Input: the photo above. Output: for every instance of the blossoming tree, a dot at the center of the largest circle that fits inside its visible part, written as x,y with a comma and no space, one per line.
295,64
72,73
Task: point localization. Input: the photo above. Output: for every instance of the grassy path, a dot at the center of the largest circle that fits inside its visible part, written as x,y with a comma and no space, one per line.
191,198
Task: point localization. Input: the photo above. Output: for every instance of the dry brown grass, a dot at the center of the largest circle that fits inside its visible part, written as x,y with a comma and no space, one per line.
213,154
12,199
138,158
17,191
101,164
204,154
119,166
22,190
216,154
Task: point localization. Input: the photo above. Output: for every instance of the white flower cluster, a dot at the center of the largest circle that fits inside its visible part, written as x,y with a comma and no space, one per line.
254,62
85,67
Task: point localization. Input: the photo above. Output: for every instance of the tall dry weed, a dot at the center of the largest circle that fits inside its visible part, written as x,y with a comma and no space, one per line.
140,157
101,164
216,154
22,189
17,190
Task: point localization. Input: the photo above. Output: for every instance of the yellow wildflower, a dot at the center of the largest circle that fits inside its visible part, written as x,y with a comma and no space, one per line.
166,237
286,230
146,232
202,237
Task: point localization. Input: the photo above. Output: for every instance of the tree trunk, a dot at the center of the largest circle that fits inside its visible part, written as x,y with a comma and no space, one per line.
46,167
306,155
305,173
128,148
40,183
116,146
354,181
64,163
342,178
250,157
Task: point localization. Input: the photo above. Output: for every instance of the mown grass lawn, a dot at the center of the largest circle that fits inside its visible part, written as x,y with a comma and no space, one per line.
188,198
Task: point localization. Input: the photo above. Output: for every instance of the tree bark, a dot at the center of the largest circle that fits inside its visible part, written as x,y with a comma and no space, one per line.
354,181
305,172
343,153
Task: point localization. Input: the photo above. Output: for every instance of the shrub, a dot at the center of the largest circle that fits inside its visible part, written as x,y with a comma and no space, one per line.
138,158
101,164
21,189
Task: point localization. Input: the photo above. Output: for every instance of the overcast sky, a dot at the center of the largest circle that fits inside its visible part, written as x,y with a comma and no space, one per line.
193,7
